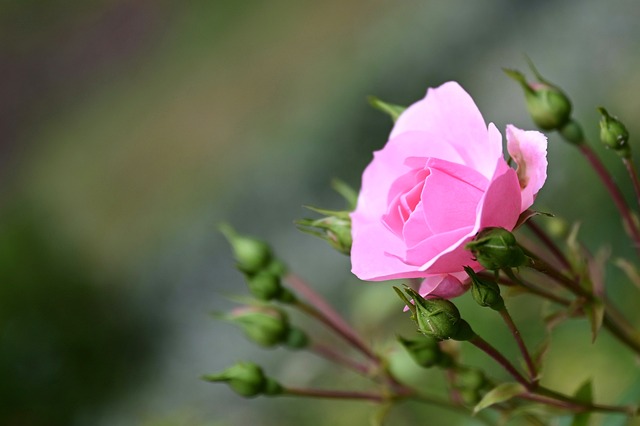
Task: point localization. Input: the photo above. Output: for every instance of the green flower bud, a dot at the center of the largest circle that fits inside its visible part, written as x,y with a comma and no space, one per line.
425,352
251,255
486,293
436,318
246,379
334,228
470,378
265,325
470,396
265,285
613,134
497,248
296,338
549,107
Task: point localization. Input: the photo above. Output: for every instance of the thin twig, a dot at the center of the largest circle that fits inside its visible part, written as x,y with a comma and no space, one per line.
549,243
633,175
322,311
614,192
533,375
486,347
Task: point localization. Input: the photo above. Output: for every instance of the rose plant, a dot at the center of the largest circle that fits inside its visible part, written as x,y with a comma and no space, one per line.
438,181
436,207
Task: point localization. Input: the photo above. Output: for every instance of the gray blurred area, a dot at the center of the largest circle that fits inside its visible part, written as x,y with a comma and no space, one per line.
131,129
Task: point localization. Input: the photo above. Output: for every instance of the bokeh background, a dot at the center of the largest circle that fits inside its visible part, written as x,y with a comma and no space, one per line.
130,129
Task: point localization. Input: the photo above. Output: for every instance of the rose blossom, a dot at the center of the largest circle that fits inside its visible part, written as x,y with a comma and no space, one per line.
439,180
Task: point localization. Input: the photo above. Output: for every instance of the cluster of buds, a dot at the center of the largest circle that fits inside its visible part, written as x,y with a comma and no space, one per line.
254,258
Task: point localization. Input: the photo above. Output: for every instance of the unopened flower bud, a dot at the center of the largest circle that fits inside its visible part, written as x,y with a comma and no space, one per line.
425,351
470,378
296,338
246,379
334,228
436,318
265,285
497,248
485,292
470,396
251,255
549,107
613,134
265,325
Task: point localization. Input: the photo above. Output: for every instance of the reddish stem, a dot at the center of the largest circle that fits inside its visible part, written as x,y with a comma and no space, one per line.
523,348
504,362
614,192
334,394
548,242
336,357
324,313
633,174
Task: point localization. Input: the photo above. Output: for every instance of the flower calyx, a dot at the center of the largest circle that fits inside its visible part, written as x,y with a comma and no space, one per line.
436,318
497,248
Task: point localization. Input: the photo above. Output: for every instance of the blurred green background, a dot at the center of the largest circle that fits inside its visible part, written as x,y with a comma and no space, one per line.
130,129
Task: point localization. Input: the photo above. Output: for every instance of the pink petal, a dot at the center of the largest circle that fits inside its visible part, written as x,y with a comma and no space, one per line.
529,150
447,113
450,195
500,206
376,252
445,286
442,253
390,163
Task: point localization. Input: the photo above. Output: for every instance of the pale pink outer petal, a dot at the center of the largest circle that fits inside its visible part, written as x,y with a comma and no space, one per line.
529,150
445,286
448,113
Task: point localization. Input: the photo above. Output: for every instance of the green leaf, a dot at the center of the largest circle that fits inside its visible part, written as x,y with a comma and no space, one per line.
595,312
393,110
583,394
630,270
501,393
347,192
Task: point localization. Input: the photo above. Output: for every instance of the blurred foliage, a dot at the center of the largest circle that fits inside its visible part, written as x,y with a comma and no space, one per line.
68,341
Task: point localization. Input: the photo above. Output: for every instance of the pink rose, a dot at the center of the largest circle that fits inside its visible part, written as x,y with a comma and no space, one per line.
439,180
